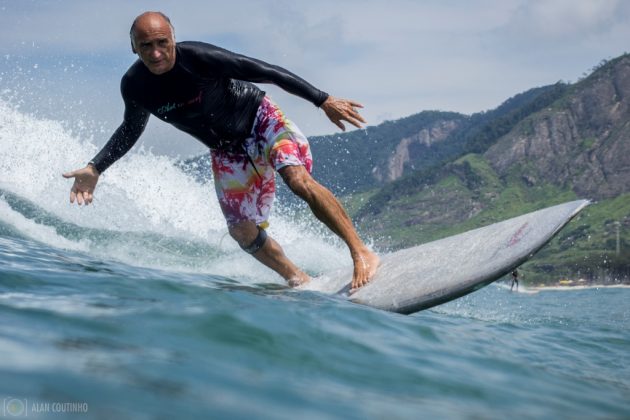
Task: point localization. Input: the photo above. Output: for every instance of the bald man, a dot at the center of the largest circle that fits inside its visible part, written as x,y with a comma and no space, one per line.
207,91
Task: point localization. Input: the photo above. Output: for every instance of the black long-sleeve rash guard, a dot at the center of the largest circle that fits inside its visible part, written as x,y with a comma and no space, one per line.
207,94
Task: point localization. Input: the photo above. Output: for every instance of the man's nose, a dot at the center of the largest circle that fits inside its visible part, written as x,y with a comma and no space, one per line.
156,53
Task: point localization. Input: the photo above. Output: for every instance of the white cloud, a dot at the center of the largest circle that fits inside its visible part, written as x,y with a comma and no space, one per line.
565,19
397,57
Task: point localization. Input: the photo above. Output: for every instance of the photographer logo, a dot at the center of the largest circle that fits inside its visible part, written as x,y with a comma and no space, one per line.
14,407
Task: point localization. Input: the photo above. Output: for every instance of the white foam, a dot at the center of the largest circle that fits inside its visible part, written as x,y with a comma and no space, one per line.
142,192
41,233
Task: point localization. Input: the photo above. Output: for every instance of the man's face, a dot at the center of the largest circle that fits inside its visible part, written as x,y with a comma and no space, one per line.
154,43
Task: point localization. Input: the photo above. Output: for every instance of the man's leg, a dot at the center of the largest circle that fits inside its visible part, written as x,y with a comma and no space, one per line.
277,142
328,210
270,254
245,195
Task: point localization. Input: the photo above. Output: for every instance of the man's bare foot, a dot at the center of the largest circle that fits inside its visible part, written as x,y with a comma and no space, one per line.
365,265
298,279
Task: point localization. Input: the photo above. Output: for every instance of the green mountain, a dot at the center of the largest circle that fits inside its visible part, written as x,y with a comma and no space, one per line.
575,146
364,159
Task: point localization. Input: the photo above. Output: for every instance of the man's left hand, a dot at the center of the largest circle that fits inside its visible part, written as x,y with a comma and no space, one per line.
338,110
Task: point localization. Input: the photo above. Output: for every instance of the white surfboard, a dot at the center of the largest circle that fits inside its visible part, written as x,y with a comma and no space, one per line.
430,274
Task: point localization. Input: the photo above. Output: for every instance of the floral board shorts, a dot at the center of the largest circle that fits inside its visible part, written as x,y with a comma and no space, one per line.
246,192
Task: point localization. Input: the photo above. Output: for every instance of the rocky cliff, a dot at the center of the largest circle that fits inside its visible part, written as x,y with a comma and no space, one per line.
364,159
402,156
582,142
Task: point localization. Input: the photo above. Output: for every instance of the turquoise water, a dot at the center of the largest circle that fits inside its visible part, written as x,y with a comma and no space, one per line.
139,343
140,307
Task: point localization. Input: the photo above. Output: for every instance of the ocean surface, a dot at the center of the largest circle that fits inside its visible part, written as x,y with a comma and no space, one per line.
140,307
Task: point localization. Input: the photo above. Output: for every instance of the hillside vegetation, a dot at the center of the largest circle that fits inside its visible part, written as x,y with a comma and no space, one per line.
575,146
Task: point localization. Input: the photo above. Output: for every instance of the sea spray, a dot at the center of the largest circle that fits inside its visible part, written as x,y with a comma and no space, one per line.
147,211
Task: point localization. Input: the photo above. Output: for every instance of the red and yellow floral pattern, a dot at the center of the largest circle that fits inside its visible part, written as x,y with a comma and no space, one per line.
246,192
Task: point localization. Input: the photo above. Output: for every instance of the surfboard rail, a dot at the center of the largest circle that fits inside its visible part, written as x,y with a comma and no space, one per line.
418,278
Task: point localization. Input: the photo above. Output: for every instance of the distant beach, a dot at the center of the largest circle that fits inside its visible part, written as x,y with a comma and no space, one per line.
562,287
579,287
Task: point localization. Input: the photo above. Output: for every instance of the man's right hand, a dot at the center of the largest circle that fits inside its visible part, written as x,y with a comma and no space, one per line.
84,184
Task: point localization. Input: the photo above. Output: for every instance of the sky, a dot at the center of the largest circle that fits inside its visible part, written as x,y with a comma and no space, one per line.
63,59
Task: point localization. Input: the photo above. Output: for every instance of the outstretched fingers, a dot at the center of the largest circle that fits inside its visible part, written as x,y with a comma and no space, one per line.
83,197
351,114
87,197
339,110
82,190
354,117
339,124
69,175
80,198
73,190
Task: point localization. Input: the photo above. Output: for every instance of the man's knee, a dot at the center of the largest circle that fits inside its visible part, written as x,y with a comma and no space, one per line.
244,232
248,236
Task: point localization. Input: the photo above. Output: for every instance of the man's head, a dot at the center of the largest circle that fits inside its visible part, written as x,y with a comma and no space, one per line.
153,39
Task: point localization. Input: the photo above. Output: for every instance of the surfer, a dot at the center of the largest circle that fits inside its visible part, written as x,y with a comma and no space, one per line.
514,280
207,91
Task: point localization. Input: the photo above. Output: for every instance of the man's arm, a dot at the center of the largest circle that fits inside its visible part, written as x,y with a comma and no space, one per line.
219,61
336,109
123,139
241,67
119,144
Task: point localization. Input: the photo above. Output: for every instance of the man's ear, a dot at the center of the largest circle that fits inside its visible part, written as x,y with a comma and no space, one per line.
133,48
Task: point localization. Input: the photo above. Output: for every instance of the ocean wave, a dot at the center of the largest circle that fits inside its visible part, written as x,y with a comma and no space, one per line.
148,210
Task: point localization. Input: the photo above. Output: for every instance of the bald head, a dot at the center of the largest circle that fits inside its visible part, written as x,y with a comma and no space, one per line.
149,19
153,39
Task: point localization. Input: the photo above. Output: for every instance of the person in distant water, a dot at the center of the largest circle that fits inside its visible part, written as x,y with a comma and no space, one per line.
207,91
514,280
